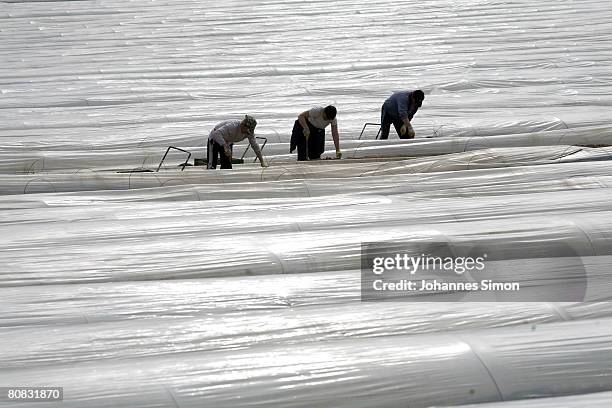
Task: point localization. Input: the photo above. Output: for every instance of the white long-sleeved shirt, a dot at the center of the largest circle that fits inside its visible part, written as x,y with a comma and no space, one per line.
229,132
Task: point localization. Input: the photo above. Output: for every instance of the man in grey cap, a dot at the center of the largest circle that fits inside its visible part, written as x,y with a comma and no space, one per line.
222,138
399,109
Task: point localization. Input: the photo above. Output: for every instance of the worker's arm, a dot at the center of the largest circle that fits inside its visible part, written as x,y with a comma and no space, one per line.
303,119
407,122
336,137
403,100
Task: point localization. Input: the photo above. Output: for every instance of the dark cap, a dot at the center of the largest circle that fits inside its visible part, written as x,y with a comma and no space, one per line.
419,96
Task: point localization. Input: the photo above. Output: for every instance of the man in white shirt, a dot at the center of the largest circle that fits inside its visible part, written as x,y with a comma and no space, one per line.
222,138
308,133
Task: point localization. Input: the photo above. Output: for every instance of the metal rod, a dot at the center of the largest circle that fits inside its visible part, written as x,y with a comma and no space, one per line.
166,154
265,139
370,123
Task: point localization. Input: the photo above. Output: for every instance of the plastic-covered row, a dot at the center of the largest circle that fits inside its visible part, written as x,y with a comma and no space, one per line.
420,371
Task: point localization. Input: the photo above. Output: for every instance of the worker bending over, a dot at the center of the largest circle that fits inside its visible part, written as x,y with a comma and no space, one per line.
399,109
222,138
308,133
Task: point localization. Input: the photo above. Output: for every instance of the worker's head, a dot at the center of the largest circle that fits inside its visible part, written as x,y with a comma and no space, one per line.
248,124
418,97
330,112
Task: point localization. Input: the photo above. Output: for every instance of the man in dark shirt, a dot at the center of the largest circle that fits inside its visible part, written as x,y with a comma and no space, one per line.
399,109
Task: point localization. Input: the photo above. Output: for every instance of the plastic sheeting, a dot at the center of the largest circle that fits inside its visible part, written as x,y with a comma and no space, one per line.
173,241
488,366
84,180
595,400
16,160
242,288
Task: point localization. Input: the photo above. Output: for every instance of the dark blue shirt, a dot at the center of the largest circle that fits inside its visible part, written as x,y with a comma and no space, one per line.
400,104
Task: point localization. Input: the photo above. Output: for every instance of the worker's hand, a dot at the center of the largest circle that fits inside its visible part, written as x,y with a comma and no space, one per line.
407,130
306,133
410,131
338,154
228,151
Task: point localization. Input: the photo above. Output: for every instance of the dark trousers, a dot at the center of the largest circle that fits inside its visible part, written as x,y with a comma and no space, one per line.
386,119
216,151
316,142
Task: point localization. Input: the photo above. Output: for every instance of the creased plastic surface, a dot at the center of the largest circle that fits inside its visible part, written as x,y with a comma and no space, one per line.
241,288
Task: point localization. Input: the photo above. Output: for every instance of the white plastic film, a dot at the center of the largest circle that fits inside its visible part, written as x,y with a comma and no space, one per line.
241,288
